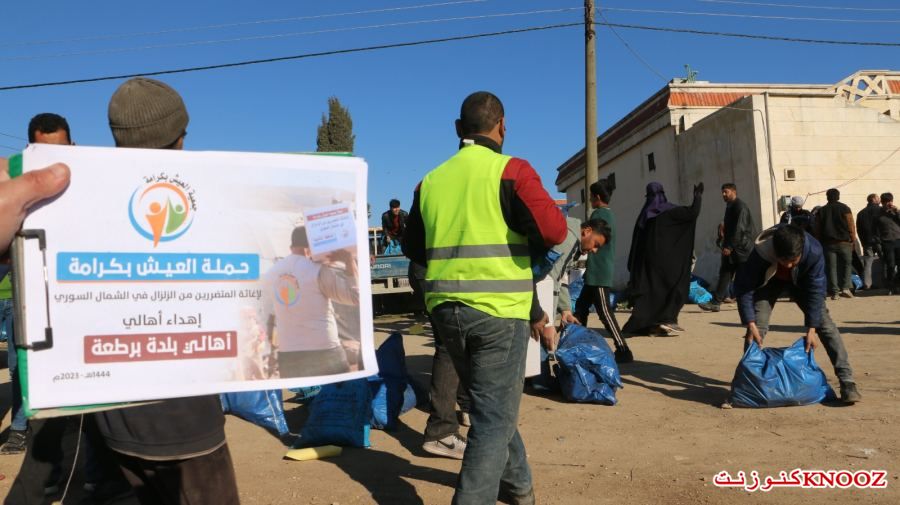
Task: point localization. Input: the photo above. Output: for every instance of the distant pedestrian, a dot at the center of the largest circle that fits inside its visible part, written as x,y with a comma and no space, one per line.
599,276
836,230
867,229
738,232
798,216
889,235
662,248
393,225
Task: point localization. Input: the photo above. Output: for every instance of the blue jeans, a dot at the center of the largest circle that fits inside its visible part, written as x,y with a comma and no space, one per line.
489,355
19,422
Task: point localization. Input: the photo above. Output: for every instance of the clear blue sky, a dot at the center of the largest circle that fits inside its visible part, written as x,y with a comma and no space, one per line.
403,101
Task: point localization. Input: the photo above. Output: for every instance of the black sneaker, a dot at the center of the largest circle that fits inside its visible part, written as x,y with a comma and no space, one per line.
510,498
849,394
623,355
709,307
15,444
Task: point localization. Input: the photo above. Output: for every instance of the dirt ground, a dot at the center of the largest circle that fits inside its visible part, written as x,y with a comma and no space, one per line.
662,444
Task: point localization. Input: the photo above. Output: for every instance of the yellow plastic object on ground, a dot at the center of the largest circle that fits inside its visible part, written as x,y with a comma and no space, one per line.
308,453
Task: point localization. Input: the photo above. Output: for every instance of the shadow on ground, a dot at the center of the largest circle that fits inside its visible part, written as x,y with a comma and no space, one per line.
674,382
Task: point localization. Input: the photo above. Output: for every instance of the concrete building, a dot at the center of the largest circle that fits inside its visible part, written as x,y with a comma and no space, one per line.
771,140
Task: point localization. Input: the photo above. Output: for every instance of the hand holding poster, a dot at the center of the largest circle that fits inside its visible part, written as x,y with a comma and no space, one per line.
172,274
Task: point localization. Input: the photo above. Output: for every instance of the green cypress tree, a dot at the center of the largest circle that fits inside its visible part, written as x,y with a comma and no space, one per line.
335,134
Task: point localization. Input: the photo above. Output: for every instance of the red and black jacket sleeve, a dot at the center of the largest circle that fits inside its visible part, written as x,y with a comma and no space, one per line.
528,208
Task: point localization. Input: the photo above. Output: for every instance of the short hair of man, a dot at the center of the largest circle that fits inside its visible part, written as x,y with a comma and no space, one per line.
887,197
788,242
729,185
871,198
833,195
395,203
480,113
47,122
602,190
598,226
299,238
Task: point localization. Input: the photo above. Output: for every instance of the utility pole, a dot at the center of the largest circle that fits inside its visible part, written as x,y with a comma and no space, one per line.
590,104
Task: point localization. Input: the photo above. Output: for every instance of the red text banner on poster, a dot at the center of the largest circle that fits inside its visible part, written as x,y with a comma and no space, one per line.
159,346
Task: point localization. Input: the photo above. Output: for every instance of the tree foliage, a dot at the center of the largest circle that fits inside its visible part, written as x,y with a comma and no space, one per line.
335,134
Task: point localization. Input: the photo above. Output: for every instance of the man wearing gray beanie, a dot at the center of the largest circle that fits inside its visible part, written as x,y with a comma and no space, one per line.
172,452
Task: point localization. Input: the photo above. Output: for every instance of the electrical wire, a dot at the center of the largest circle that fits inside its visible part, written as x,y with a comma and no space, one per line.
798,6
755,36
12,136
861,175
449,39
293,57
285,35
630,49
749,16
234,25
10,148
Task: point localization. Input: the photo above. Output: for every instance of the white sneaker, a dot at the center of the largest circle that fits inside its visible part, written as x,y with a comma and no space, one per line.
452,446
463,418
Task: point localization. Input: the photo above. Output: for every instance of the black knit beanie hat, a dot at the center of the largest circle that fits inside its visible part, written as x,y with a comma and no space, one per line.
146,113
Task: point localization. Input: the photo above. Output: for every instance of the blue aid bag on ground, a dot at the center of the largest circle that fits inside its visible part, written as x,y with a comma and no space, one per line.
698,294
339,415
779,377
262,408
392,394
586,367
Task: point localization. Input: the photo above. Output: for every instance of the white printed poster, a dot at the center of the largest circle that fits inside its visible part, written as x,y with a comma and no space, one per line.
177,273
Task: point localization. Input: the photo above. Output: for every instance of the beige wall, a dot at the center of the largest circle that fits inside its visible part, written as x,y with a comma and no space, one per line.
717,150
632,175
829,142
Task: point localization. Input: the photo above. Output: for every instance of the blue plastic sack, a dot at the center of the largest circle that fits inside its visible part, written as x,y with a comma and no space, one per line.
779,377
262,408
339,415
393,249
304,394
857,281
586,368
698,294
392,394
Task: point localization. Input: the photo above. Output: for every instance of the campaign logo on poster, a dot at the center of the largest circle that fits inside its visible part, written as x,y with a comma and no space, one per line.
287,290
162,209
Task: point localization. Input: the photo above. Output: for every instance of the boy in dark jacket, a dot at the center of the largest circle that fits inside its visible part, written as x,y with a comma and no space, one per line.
787,261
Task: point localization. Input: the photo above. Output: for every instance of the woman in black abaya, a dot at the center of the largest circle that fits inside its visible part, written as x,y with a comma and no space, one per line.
662,247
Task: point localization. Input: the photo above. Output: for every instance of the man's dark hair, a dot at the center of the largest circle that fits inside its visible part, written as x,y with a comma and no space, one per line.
871,198
47,122
480,113
602,190
788,242
887,197
833,195
729,185
395,203
598,226
299,238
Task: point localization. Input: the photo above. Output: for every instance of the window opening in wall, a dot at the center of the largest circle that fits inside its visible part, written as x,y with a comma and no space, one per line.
651,163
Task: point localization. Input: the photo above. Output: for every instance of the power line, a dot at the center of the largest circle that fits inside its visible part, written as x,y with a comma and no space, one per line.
10,148
630,49
285,35
798,6
451,39
754,36
294,57
750,16
235,25
13,136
